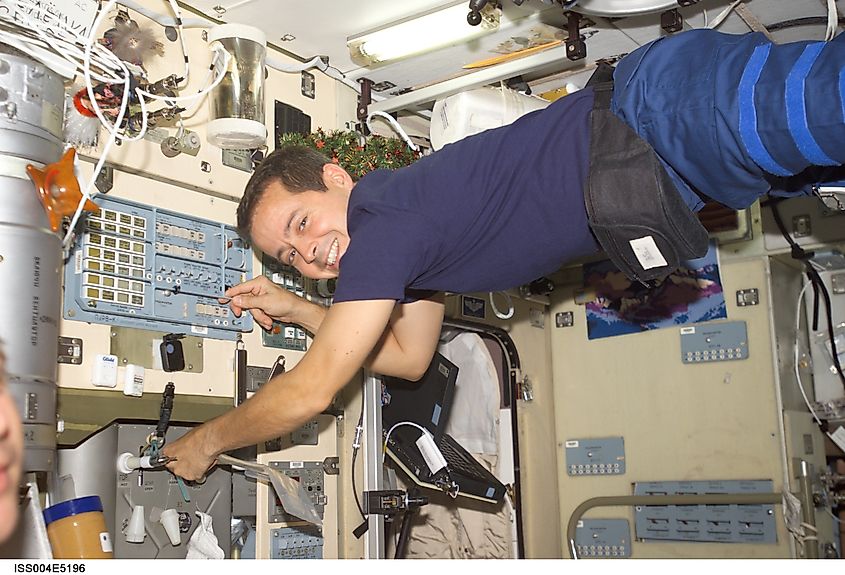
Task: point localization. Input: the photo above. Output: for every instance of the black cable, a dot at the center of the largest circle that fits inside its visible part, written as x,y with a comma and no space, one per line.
165,411
404,534
355,455
807,21
354,488
818,285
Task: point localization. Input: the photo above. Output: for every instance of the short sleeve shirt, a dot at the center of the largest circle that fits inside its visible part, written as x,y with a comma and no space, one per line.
489,212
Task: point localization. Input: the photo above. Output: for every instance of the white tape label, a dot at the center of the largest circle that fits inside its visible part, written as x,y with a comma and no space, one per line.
646,252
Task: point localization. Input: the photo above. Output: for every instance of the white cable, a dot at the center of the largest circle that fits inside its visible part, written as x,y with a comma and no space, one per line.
717,21
393,124
166,20
47,57
340,77
277,64
63,41
400,424
832,20
62,55
180,31
113,130
798,308
508,314
194,97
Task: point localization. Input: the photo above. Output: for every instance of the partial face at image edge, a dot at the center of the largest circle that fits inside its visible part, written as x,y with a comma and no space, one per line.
11,456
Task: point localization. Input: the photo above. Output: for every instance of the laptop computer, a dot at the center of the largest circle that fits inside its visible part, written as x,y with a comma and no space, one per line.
428,403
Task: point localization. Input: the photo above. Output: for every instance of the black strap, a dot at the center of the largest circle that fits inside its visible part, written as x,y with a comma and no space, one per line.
630,199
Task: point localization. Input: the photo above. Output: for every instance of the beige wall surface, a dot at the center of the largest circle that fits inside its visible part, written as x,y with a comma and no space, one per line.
679,421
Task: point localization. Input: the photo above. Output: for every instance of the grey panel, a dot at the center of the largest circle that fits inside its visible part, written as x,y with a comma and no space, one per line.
300,542
606,538
725,341
159,490
595,456
706,523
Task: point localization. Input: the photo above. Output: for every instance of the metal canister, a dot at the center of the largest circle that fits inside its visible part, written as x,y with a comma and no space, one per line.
31,123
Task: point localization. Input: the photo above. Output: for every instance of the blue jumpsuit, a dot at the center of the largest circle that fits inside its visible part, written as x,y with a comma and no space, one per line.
734,117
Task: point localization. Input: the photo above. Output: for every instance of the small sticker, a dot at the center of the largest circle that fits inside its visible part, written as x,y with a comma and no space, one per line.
199,329
646,252
105,542
77,263
297,464
571,443
51,119
473,307
687,330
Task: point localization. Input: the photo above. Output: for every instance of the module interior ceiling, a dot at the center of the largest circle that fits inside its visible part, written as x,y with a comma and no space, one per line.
321,27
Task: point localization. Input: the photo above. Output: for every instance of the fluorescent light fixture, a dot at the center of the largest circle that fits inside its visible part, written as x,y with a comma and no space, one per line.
422,33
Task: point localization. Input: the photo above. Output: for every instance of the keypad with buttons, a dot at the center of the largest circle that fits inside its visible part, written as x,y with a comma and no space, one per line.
705,343
599,456
603,538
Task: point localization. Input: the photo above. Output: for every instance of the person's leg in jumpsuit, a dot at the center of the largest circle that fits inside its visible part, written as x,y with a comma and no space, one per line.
734,117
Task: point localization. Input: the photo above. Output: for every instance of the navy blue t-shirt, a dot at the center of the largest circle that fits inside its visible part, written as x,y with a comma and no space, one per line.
490,212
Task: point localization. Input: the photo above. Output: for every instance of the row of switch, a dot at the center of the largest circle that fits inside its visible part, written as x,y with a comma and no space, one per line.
601,550
177,232
595,468
180,251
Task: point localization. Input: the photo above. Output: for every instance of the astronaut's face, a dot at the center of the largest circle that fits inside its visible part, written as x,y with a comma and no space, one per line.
306,230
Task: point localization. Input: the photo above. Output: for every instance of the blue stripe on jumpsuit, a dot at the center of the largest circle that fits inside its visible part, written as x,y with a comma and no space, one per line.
682,94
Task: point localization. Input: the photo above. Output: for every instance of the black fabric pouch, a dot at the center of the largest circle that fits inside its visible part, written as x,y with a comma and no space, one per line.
633,207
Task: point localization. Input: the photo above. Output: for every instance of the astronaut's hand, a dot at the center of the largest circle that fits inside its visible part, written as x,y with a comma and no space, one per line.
188,455
265,300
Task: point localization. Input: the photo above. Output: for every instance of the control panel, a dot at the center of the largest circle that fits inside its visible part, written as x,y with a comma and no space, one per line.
310,475
706,523
605,538
298,542
726,341
139,266
595,456
284,335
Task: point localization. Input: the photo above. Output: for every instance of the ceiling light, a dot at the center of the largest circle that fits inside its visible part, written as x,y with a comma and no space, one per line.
422,33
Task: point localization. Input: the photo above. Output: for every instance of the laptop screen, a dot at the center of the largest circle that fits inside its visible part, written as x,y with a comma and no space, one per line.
426,402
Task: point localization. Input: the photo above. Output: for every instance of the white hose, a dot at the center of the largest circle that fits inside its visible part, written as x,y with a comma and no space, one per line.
393,124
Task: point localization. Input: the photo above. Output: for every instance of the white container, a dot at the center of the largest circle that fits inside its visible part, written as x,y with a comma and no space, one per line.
468,113
237,103
133,380
136,531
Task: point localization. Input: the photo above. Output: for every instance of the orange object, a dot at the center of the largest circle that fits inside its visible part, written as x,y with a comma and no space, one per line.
58,189
76,529
512,56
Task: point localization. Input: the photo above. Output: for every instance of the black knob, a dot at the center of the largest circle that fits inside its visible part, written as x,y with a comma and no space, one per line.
474,18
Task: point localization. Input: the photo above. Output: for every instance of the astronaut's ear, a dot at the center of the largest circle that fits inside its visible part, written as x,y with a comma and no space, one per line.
337,176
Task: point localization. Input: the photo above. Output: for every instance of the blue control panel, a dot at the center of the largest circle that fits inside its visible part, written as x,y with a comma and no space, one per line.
138,266
595,456
708,342
706,523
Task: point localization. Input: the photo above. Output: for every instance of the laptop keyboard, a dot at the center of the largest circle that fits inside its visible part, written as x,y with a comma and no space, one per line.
459,461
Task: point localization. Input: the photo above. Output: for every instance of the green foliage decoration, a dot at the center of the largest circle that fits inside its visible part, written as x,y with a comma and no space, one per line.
346,149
